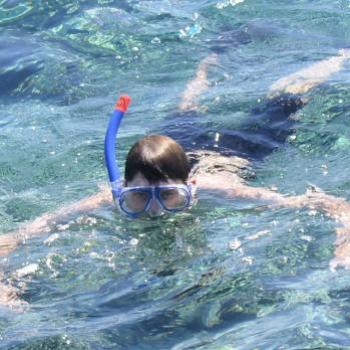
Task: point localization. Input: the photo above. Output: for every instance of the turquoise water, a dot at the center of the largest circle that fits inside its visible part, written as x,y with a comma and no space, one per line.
196,280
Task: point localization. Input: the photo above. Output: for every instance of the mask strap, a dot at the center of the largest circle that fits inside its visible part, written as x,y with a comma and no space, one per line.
110,139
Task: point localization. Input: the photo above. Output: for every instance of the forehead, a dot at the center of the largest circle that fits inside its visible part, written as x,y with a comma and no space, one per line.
140,180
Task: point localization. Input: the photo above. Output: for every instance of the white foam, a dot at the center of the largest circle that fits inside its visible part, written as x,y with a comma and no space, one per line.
222,4
27,270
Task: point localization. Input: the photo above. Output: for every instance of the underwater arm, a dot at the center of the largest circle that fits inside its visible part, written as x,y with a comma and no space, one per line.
47,222
307,78
9,296
41,225
337,208
197,85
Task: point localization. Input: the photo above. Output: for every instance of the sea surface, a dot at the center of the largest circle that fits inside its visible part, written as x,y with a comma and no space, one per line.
228,275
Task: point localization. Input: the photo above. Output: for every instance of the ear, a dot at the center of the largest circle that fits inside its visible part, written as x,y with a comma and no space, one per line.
192,181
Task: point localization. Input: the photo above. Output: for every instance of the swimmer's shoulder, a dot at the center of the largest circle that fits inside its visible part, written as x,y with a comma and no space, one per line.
213,162
104,195
215,171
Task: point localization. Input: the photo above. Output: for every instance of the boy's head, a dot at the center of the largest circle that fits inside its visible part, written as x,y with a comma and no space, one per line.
157,159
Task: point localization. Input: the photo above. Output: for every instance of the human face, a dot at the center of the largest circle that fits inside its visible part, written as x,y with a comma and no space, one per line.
139,197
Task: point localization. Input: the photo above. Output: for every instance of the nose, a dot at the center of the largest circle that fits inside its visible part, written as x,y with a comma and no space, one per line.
154,208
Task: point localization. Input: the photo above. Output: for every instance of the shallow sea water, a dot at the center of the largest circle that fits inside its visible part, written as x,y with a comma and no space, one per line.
196,280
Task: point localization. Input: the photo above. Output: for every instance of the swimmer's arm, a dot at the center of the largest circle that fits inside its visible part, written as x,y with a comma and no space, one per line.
336,208
9,296
46,222
198,85
307,78
232,186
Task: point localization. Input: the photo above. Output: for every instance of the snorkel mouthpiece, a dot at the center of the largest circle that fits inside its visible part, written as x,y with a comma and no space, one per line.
112,130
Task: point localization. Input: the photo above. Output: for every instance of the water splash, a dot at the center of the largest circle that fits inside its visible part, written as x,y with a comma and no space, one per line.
222,4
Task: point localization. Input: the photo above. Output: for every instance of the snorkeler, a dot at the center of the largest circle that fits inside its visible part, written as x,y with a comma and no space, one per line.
159,177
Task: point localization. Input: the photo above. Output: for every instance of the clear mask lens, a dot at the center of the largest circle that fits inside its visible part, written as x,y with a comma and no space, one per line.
173,198
134,201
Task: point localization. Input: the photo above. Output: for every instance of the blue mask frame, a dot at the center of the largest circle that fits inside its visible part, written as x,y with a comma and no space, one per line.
154,193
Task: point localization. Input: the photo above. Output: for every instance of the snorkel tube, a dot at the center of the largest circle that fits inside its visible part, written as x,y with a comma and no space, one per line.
110,138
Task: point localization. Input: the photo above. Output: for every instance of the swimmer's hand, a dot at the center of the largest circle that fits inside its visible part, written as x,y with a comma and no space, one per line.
342,249
339,209
123,103
9,297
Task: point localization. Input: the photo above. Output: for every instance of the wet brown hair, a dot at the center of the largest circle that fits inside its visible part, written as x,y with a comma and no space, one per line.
157,158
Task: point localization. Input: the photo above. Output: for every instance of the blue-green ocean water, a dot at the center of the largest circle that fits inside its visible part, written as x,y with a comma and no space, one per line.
101,282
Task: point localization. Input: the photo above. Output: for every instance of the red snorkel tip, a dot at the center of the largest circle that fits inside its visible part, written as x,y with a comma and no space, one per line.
123,103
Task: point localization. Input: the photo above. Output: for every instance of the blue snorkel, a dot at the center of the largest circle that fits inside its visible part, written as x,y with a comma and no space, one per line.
137,200
110,138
